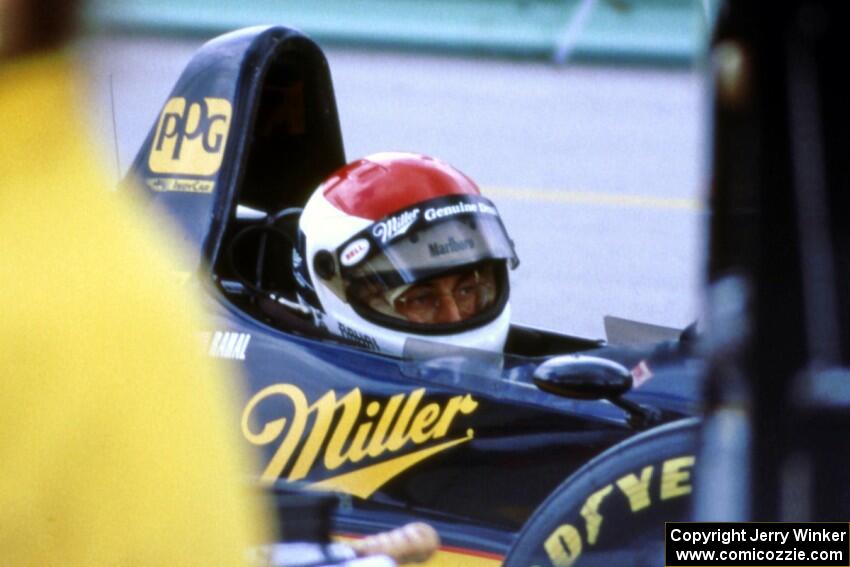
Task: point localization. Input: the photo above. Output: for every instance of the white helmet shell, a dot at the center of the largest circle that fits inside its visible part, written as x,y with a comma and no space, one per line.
367,214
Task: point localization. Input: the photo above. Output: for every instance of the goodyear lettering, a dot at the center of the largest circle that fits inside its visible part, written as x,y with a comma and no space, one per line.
637,489
675,477
590,512
343,432
565,544
190,136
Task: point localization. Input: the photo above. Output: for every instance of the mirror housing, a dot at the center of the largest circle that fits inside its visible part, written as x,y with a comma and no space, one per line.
583,377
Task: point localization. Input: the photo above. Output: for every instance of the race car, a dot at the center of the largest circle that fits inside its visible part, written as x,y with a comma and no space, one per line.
559,448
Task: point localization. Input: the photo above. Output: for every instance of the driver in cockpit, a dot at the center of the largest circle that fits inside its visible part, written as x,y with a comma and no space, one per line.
400,245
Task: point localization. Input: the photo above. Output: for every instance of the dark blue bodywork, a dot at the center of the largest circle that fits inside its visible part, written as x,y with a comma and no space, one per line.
463,439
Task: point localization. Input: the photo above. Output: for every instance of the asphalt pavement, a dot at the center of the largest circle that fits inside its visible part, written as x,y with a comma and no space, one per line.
599,172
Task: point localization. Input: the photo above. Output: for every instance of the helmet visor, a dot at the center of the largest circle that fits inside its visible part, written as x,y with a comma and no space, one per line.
432,265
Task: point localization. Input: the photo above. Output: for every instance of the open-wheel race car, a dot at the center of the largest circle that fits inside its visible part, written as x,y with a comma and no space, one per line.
557,450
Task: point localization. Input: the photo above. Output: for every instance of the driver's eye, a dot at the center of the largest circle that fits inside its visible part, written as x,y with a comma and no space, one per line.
466,289
422,299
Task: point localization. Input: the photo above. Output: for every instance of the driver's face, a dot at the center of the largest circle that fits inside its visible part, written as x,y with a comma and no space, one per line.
448,299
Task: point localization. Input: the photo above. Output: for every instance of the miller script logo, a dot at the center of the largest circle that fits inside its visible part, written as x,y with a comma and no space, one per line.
395,226
190,136
381,440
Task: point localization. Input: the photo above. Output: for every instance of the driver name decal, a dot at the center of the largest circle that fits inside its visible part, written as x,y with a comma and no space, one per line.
371,442
190,136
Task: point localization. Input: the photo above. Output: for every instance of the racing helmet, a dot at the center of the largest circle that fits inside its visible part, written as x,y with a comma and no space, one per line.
397,246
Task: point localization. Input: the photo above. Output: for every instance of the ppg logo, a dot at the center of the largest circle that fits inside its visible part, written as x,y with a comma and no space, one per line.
191,136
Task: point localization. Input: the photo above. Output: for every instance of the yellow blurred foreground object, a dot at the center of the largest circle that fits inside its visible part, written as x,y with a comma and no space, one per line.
116,442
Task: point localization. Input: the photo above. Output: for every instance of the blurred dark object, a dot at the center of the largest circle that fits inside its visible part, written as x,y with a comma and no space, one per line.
779,268
28,26
303,515
304,537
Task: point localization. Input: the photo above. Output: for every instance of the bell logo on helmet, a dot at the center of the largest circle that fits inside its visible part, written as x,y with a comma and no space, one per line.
190,136
354,252
395,226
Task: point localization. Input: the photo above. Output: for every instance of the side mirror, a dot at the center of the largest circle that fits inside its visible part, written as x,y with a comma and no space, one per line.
583,377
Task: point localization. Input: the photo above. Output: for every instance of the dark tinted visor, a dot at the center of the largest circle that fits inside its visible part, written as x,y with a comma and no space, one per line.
431,264
434,237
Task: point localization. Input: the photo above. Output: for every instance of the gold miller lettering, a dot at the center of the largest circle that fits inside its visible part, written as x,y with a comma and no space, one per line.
381,428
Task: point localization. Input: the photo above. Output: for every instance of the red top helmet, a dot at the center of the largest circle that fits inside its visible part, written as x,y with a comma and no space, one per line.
399,245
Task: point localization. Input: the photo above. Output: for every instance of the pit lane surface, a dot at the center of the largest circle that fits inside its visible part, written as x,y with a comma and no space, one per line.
597,171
